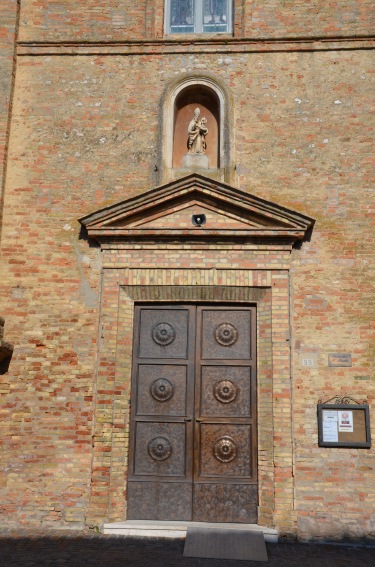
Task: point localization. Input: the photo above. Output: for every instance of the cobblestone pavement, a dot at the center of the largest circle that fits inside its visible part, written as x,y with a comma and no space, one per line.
74,549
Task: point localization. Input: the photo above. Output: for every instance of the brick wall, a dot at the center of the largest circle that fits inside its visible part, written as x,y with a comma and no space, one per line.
85,133
111,20
8,30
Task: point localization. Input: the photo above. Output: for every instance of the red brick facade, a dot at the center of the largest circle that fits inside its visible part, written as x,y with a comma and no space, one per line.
92,83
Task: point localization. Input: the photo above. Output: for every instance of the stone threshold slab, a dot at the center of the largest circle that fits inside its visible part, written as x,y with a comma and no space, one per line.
165,529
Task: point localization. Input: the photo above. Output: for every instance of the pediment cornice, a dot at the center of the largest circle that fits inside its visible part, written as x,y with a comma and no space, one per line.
166,213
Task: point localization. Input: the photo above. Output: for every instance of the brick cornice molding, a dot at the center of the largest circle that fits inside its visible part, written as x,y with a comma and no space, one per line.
195,45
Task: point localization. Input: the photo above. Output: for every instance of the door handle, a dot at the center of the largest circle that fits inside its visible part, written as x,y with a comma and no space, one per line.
187,419
200,420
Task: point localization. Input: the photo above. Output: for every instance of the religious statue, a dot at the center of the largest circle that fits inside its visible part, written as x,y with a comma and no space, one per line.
197,132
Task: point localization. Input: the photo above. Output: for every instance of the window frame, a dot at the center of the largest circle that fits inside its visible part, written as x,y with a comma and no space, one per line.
198,20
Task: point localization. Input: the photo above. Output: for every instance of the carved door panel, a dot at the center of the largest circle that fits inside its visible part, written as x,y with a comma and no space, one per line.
160,481
193,434
225,464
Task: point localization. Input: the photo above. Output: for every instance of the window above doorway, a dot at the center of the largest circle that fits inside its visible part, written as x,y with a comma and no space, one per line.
198,16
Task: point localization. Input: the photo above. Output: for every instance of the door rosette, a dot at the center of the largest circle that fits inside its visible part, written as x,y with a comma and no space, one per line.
163,334
161,390
225,449
226,334
225,391
159,448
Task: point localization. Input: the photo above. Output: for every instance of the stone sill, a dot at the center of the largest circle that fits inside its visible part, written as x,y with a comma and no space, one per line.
166,529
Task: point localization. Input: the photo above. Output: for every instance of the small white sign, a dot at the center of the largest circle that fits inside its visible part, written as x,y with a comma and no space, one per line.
330,432
308,362
330,415
346,421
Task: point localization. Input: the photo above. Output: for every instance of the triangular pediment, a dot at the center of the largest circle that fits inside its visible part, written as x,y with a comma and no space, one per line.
168,211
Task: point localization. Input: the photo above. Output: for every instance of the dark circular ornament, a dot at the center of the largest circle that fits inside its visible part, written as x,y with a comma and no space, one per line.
225,449
226,334
225,391
161,390
163,334
159,449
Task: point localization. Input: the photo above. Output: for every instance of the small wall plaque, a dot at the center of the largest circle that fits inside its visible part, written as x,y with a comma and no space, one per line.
344,425
308,362
340,359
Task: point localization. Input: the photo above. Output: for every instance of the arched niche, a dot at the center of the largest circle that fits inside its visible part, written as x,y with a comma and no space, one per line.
180,101
187,101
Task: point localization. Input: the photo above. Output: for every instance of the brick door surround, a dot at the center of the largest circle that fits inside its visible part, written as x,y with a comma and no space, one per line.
237,261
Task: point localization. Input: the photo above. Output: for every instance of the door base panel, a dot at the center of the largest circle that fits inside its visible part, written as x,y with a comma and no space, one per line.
159,501
235,503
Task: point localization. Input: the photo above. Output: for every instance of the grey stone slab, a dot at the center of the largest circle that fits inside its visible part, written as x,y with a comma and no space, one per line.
225,544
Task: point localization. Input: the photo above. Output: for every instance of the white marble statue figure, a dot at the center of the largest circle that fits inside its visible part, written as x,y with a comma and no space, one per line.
197,132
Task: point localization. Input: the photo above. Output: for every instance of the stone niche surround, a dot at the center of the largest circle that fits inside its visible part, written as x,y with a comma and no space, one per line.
215,102
152,253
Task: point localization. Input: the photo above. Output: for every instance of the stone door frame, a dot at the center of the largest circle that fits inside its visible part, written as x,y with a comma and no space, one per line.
269,291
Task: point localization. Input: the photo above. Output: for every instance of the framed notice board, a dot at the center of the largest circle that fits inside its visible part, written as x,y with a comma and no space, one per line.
344,425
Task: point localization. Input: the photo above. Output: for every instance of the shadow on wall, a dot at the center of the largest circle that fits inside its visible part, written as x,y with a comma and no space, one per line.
298,244
83,235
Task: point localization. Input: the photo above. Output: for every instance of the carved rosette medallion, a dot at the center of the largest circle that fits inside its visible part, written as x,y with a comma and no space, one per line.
159,449
225,449
226,334
161,390
163,334
225,391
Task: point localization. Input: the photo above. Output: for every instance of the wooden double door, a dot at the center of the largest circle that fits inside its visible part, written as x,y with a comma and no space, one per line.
193,431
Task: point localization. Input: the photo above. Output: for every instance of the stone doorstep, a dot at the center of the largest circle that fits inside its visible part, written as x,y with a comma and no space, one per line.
164,529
